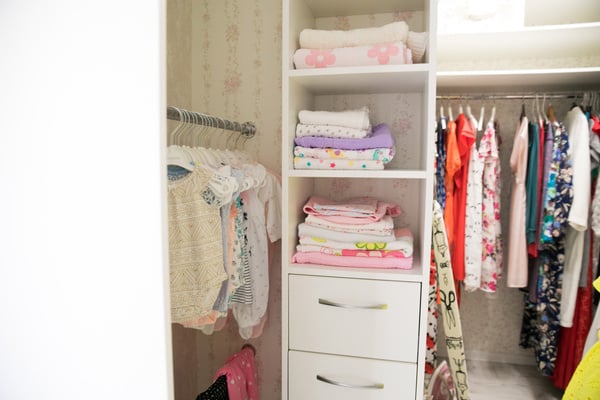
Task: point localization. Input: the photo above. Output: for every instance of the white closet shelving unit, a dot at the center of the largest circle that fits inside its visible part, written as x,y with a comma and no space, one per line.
382,349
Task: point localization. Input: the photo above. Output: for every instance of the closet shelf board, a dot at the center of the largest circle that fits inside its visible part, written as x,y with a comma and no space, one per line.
389,174
365,80
332,8
413,275
550,41
547,80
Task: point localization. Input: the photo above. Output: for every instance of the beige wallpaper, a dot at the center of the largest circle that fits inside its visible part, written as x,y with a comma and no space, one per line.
236,74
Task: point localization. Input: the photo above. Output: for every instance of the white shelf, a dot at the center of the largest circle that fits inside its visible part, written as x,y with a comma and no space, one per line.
387,174
332,8
551,41
365,80
558,79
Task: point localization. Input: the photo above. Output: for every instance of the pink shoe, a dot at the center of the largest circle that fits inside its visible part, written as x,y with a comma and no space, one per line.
441,385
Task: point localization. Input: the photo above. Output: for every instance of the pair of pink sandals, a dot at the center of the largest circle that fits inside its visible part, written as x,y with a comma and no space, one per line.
441,386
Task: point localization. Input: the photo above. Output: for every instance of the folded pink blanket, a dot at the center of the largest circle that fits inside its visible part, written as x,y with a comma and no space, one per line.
352,261
384,227
356,207
394,53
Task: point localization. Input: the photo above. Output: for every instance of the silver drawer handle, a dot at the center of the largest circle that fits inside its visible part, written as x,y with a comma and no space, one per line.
334,304
349,385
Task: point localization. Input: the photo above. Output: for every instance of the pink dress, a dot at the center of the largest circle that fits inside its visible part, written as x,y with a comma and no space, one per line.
242,379
516,264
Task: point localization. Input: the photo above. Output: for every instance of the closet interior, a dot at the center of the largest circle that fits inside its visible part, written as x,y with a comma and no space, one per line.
235,60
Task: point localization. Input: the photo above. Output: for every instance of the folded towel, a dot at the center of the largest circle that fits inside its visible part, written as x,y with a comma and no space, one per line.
385,226
403,242
393,32
332,131
329,39
352,261
384,155
334,163
358,119
395,53
315,231
417,43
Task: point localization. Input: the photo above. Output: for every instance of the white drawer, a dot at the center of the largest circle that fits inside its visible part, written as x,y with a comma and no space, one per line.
327,377
354,317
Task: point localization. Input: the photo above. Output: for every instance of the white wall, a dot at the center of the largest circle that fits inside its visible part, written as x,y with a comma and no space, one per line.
83,302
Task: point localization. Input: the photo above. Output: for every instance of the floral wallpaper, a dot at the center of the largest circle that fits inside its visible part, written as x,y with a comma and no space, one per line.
225,65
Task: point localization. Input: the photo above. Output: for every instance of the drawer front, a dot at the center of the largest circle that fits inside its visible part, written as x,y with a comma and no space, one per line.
354,317
327,377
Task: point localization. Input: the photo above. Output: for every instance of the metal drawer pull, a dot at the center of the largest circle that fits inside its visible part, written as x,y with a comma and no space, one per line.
349,385
334,304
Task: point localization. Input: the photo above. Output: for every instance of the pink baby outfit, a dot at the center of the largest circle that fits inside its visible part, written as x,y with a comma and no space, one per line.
242,379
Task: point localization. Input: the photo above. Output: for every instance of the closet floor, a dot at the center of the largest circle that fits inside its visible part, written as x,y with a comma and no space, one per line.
499,381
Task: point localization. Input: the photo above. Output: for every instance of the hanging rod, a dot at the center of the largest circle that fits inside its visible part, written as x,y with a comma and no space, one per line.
511,96
246,129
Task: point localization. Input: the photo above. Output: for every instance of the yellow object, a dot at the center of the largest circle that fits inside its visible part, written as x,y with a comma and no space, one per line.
585,383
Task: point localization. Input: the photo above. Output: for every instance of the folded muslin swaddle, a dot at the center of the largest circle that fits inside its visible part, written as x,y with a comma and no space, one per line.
333,131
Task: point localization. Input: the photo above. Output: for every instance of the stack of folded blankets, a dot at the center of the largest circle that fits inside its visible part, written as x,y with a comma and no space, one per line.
341,140
358,232
389,44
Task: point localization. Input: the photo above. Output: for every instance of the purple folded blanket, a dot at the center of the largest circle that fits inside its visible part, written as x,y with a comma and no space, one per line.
380,138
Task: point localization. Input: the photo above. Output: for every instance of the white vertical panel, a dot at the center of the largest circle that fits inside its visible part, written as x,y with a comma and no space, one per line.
83,296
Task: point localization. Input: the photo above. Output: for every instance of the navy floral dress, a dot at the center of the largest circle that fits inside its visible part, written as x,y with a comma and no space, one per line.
541,323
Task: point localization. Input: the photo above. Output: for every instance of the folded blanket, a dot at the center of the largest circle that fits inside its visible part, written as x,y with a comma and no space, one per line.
395,53
352,261
333,163
393,32
354,207
329,39
332,131
315,231
366,208
358,119
385,226
312,248
380,138
403,242
384,155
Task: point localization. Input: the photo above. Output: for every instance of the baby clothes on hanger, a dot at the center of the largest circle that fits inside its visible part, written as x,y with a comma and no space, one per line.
195,247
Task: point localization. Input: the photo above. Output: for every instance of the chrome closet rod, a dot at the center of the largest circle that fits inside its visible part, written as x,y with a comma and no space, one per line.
512,96
247,129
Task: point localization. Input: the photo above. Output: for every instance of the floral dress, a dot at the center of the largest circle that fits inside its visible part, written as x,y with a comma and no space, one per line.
541,322
491,265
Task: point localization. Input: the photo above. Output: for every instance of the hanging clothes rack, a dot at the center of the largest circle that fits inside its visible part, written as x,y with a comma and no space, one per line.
511,96
246,129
